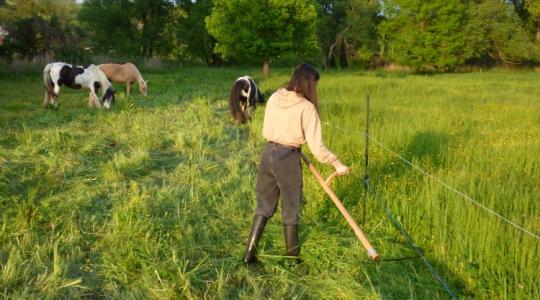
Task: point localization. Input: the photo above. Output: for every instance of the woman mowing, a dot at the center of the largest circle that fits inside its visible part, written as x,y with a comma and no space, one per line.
291,119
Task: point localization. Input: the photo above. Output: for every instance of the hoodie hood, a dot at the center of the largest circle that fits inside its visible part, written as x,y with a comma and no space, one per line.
285,99
292,120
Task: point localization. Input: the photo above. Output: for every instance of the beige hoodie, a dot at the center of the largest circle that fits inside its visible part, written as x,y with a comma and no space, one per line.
290,119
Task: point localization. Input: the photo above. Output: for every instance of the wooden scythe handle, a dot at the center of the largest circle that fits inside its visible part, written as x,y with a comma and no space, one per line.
330,178
326,187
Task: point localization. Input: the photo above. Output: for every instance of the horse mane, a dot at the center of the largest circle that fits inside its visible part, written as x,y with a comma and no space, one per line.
137,72
234,100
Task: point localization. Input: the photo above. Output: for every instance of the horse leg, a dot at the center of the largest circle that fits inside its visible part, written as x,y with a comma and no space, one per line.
128,88
54,100
91,100
46,100
96,101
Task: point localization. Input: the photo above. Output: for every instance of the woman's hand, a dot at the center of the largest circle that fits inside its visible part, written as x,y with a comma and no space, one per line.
341,169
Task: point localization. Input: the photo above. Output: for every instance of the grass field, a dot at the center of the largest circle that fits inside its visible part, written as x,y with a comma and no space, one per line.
154,199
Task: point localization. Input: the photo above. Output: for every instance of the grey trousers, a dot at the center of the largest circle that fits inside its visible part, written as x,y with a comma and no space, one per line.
280,173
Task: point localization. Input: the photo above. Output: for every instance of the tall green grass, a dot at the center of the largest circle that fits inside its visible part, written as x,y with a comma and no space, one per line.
154,199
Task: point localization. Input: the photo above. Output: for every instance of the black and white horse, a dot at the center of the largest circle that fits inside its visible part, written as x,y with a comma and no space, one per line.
57,74
244,98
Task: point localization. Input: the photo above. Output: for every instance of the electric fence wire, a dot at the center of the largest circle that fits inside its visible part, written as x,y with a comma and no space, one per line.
501,217
411,243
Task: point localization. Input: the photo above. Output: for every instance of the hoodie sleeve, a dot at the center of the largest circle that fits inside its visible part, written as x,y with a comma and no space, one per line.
311,125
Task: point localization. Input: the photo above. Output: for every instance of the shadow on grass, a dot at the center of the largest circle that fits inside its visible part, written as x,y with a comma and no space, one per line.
427,147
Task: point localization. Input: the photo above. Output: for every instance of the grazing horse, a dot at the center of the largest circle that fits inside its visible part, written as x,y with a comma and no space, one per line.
57,74
243,98
126,73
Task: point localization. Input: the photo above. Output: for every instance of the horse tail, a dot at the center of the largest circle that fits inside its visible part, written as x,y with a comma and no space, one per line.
261,96
52,89
234,102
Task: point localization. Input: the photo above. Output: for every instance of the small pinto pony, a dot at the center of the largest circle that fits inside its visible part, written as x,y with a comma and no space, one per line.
58,73
126,73
243,98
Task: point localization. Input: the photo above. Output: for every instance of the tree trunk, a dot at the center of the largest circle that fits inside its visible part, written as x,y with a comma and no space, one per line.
324,62
266,68
538,31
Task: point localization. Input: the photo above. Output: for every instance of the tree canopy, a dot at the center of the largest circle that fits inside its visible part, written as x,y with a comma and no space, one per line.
128,27
495,32
40,28
438,35
424,34
260,31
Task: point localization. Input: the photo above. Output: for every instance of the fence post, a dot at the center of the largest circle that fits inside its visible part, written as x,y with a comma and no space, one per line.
366,158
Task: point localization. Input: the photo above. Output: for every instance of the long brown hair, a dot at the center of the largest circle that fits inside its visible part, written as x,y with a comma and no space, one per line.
304,81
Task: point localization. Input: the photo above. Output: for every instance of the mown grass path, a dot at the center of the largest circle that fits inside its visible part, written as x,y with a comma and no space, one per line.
154,199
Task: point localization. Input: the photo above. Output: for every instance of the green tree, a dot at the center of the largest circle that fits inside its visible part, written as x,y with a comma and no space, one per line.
260,31
31,37
358,39
347,31
109,26
151,17
425,35
41,27
533,6
65,11
496,32
127,27
331,22
191,30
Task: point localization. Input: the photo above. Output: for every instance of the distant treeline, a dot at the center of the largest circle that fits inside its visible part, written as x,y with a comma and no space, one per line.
434,35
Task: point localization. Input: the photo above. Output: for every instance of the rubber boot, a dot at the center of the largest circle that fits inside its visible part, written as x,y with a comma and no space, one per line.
257,228
291,240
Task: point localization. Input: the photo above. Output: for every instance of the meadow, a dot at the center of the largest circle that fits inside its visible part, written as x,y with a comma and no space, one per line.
154,198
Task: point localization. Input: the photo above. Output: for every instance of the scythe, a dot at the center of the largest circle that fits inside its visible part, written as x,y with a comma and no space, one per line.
325,184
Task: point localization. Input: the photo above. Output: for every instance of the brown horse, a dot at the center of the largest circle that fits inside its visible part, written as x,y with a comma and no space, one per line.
126,73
